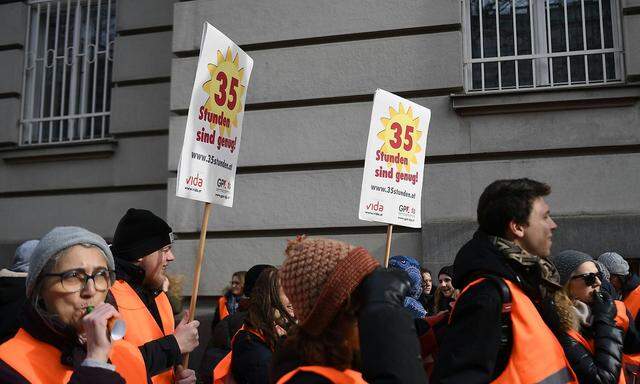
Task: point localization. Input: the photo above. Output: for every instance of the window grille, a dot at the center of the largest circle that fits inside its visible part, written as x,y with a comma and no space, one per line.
525,44
67,71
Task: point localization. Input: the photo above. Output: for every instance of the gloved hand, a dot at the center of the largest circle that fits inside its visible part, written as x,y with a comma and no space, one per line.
388,286
550,315
603,307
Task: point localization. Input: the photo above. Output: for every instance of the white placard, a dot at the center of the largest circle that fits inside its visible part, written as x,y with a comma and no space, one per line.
394,163
209,156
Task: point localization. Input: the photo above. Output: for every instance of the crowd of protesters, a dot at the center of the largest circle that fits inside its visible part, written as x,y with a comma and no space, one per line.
509,309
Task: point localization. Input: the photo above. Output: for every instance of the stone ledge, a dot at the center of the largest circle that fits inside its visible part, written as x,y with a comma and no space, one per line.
540,100
97,149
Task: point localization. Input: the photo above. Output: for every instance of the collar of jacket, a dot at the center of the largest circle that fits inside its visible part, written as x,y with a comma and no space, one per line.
134,276
632,281
55,333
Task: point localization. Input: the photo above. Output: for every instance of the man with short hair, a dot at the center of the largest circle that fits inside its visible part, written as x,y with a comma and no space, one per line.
496,333
142,251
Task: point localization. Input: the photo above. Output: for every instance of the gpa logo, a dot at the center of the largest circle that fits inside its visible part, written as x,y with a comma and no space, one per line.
406,209
224,184
375,206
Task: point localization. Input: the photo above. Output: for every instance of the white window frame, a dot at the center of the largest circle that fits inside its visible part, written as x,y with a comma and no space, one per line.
540,36
77,110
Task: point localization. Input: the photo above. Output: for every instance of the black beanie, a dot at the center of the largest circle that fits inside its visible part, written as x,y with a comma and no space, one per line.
252,276
446,270
140,233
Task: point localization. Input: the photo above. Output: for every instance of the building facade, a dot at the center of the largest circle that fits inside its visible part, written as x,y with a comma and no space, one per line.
547,89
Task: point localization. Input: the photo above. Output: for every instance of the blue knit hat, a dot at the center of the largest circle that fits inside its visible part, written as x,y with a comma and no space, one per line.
412,268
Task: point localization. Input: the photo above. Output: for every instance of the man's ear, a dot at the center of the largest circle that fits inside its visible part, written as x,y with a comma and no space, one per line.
515,229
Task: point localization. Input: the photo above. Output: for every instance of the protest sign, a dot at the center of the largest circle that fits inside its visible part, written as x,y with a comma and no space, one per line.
209,156
394,162
211,143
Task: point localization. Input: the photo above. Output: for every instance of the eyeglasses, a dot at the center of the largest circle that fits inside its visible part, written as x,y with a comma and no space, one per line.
76,280
589,278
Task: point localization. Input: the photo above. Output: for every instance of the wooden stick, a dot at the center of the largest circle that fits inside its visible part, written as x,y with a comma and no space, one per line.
388,252
196,273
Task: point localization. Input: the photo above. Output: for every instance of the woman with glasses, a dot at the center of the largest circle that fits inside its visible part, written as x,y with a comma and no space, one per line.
65,336
595,330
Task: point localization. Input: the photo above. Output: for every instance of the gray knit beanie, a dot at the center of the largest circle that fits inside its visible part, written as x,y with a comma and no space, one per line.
23,256
567,262
614,263
59,239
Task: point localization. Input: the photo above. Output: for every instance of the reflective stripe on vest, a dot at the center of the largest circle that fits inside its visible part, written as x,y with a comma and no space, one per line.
39,362
536,355
222,307
622,322
141,325
347,376
222,371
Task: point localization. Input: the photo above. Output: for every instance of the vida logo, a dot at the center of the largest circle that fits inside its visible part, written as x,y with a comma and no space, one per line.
375,207
196,181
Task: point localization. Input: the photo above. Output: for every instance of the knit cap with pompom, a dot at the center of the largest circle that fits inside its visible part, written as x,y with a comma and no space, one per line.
319,275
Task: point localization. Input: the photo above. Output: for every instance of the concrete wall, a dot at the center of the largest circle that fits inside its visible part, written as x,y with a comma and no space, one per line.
89,185
308,111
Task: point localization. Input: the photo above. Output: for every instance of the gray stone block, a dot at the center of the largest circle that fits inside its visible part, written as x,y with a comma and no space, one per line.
341,69
98,212
225,256
13,23
138,14
329,198
126,167
139,57
631,31
11,79
140,108
253,21
9,125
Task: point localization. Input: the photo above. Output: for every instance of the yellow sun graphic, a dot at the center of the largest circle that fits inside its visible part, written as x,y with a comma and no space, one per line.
400,136
225,92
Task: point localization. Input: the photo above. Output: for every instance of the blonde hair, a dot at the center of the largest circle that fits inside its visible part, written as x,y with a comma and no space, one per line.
564,308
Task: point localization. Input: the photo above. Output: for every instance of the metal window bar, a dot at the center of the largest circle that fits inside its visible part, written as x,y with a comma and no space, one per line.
541,29
63,72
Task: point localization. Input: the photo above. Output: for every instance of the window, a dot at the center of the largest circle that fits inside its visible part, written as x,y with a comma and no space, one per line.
67,71
525,44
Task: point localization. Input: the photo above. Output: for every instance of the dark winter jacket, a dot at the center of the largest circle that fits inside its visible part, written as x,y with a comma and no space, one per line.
389,348
220,343
251,359
477,315
64,339
428,302
12,299
161,354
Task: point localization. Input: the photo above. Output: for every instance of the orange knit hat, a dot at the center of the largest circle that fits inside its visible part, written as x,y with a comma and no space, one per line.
319,275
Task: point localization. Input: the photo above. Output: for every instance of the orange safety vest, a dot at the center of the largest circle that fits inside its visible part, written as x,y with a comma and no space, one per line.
536,355
141,325
347,376
39,362
222,307
622,322
222,371
632,301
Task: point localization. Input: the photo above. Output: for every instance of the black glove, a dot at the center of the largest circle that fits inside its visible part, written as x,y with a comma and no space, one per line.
603,307
388,286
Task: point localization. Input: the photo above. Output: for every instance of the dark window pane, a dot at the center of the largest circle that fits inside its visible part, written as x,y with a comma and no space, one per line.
476,76
508,71
489,30
523,25
595,67
525,73
491,75
506,28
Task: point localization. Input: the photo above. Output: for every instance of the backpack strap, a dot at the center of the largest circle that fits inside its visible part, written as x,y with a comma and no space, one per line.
506,337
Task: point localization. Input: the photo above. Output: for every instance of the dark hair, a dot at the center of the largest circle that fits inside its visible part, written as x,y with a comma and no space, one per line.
506,200
425,270
265,308
332,348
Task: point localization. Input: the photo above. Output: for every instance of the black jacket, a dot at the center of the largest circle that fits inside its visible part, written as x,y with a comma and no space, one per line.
159,355
472,351
603,367
251,359
220,343
65,340
12,299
